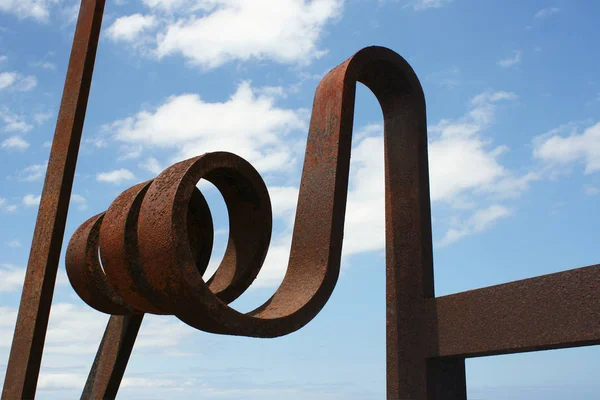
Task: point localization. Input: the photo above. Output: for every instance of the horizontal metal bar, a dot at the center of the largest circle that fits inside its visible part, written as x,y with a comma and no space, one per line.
553,311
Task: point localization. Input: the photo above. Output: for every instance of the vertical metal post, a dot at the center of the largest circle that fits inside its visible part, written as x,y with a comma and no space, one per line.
32,322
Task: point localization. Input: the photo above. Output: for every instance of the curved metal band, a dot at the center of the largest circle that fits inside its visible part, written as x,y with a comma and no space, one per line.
149,232
117,285
317,240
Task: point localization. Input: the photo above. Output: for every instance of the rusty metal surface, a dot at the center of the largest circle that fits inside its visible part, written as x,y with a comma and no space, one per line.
110,362
552,311
168,277
28,342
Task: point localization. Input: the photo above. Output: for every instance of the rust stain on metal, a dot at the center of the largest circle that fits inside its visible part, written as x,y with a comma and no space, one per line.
148,251
28,342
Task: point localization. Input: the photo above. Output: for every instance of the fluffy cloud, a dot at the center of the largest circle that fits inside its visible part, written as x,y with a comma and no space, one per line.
36,9
566,145
131,27
13,122
11,277
285,31
465,170
117,176
11,280
191,127
7,79
31,200
15,143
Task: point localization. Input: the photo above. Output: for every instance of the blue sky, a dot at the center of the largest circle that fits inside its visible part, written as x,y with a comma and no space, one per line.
513,97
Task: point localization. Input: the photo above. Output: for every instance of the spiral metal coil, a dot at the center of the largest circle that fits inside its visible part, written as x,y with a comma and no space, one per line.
148,251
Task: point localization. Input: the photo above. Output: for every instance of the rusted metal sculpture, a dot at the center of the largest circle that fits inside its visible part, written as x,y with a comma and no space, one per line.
155,241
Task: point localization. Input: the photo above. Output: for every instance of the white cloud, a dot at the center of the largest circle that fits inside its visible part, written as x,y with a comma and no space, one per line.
462,160
129,28
32,173
16,81
46,65
465,167
511,60
26,84
79,201
276,262
285,31
15,143
546,12
478,222
7,79
31,200
152,165
116,176
14,243
41,117
566,145
191,126
13,122
77,330
283,199
61,381
9,208
464,170
35,9
11,277
421,5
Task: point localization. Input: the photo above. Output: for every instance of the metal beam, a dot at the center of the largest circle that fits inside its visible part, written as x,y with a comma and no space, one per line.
23,367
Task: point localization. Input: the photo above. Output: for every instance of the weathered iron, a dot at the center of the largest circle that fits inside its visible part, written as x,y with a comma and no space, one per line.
23,366
148,251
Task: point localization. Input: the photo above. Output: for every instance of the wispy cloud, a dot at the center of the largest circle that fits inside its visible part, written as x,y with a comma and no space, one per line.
511,60
32,173
15,143
546,12
79,201
481,220
17,82
421,5
14,243
11,277
117,176
14,122
5,207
